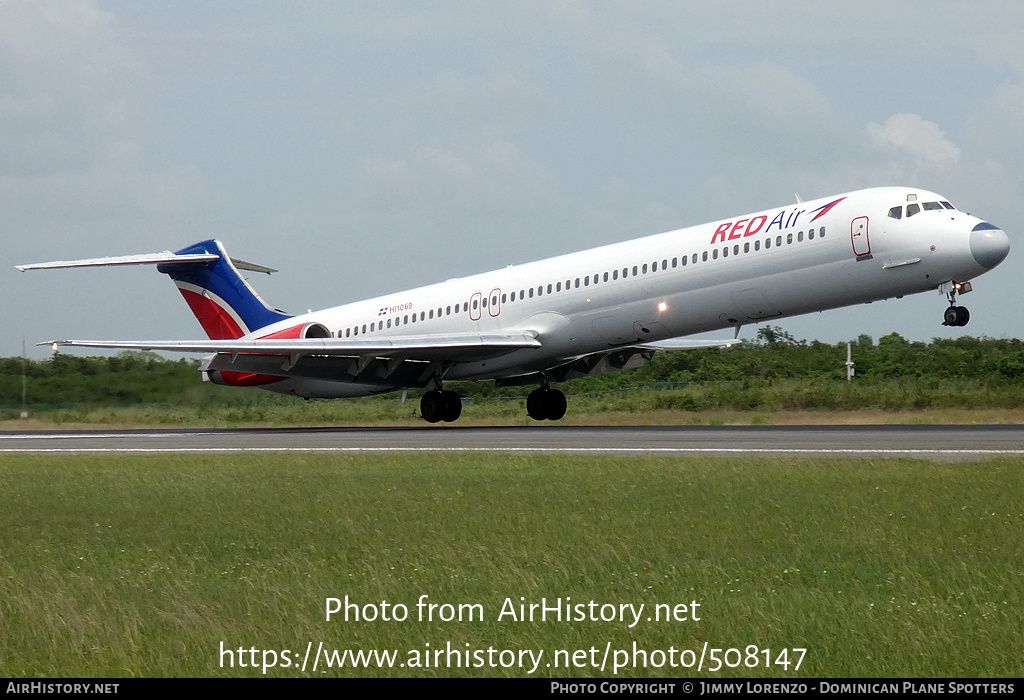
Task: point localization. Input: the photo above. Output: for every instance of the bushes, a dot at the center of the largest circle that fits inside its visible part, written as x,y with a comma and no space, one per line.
776,372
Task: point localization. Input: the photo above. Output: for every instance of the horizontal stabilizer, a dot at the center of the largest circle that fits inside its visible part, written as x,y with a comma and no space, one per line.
144,259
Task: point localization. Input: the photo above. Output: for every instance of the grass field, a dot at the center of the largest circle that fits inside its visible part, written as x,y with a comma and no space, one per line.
143,566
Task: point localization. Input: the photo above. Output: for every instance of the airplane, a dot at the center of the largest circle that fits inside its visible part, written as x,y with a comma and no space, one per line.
599,310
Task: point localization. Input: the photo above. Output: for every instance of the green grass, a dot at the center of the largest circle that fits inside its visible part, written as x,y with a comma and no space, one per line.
142,566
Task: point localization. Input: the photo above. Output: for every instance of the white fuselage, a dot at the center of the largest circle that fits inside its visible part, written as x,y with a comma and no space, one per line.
785,261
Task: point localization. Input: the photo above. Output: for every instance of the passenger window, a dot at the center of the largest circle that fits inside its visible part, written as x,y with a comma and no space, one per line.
714,254
577,283
664,265
913,209
389,323
746,247
635,270
674,260
540,291
800,237
704,256
558,287
725,252
448,310
606,277
694,261
757,246
789,239
767,243
531,292
549,289
685,258
364,329
821,232
654,266
896,213
348,331
586,281
778,241
810,235
736,249
502,298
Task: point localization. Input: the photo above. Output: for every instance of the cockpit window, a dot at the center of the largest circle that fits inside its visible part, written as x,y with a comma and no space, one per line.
913,209
896,213
948,206
932,206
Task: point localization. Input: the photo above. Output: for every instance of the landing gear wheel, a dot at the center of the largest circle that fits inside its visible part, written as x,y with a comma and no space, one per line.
956,316
535,405
452,406
556,404
432,406
437,406
546,404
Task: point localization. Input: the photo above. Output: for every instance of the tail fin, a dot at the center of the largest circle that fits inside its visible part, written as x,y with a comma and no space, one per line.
223,302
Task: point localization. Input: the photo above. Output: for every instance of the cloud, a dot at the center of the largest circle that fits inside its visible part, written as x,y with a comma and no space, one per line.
918,139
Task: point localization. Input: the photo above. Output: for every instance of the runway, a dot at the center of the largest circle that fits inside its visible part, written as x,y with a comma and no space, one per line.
930,441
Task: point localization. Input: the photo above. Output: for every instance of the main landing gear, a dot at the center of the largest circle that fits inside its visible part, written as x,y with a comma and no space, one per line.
956,315
437,405
546,404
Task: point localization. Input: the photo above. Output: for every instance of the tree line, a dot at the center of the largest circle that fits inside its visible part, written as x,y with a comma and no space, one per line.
136,378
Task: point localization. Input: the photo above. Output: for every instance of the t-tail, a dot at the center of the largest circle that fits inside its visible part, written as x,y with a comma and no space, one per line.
222,301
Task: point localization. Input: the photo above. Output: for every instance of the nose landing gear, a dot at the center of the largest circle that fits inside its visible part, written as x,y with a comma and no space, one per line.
955,315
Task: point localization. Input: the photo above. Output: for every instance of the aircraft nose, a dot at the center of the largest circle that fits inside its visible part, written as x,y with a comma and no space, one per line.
989,245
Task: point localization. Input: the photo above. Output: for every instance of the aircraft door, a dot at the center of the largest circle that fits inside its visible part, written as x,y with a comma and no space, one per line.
476,306
859,237
494,307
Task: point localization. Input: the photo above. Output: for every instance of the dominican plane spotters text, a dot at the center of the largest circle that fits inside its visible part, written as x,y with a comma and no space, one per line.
595,311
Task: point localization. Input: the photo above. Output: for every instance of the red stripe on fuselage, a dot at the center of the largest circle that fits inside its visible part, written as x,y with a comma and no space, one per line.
247,378
286,334
217,322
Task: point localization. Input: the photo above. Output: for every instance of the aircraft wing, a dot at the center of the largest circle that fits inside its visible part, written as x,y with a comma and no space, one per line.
422,347
686,344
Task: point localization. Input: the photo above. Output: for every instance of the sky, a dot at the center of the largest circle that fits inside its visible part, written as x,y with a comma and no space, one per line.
363,148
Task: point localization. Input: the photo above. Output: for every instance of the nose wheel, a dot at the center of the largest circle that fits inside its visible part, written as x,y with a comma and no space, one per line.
956,316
